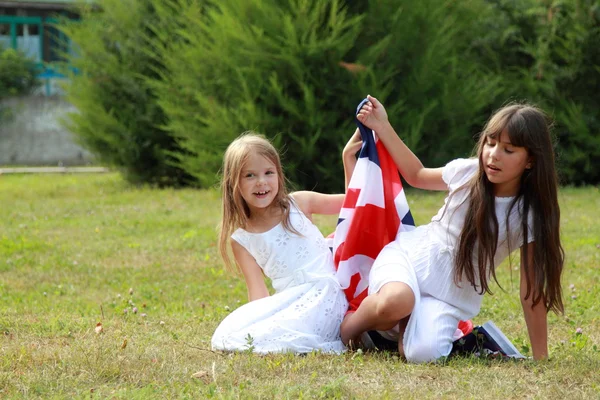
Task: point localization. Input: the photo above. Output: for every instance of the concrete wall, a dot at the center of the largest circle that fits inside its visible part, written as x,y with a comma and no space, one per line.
33,134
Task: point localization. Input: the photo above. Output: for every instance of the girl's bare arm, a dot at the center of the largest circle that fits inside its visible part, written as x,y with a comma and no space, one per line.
374,116
349,156
536,318
318,203
255,283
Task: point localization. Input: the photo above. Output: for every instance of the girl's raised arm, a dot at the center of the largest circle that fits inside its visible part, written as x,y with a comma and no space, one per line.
374,116
257,289
536,317
349,156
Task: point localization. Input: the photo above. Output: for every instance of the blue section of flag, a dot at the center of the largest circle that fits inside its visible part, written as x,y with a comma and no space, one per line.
368,149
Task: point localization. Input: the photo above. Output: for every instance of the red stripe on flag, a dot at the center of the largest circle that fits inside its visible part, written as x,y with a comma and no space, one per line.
391,188
353,301
373,234
351,198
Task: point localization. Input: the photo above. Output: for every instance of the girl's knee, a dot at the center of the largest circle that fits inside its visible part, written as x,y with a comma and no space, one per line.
396,301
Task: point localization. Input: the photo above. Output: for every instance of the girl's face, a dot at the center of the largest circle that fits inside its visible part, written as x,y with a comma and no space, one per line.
504,164
259,183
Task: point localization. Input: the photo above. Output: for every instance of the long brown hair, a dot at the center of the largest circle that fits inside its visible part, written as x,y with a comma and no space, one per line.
527,127
235,211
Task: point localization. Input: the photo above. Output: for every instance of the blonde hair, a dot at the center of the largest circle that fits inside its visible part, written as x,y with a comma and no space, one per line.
235,211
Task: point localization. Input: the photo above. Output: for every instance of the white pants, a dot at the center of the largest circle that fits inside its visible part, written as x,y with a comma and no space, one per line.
432,323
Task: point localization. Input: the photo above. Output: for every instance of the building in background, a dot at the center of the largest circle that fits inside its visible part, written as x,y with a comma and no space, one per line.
27,25
34,135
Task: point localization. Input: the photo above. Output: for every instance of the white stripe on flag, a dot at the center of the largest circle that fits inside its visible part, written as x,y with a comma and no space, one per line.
368,177
358,263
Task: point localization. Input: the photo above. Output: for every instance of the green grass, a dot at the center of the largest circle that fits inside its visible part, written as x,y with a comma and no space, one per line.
72,246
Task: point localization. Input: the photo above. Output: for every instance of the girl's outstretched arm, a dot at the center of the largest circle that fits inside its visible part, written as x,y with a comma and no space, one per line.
257,289
318,203
374,116
536,317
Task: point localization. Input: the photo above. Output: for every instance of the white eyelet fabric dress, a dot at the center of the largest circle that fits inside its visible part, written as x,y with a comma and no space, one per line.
307,309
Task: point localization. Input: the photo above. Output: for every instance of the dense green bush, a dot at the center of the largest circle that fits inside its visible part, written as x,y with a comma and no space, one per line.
549,53
295,72
267,65
17,73
17,76
118,116
451,64
172,82
426,72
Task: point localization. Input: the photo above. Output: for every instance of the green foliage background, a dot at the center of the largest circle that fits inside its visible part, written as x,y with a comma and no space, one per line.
17,76
165,85
118,117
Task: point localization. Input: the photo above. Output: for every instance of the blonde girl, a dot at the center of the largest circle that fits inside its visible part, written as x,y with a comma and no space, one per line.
270,233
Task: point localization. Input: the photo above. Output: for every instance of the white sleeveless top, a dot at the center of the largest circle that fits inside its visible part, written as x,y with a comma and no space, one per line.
286,258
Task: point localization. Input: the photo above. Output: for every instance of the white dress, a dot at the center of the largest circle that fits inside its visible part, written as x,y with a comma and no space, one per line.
307,309
424,260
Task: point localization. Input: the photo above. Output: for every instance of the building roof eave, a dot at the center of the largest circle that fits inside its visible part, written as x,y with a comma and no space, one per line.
40,4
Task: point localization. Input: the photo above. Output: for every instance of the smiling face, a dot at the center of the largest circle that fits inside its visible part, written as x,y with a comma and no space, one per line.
259,182
504,164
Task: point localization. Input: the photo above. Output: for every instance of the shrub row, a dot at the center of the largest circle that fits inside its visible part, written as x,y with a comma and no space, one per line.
165,85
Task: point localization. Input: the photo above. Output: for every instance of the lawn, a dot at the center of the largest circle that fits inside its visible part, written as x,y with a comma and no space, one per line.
77,251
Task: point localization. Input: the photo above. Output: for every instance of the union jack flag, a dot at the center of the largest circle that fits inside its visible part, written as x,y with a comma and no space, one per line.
374,211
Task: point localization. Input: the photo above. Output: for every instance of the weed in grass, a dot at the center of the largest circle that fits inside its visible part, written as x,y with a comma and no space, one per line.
249,344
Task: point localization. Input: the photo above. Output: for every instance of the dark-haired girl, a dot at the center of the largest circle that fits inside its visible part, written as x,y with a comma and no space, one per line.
505,199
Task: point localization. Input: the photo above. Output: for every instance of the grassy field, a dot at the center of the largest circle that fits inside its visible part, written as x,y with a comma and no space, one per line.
81,250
